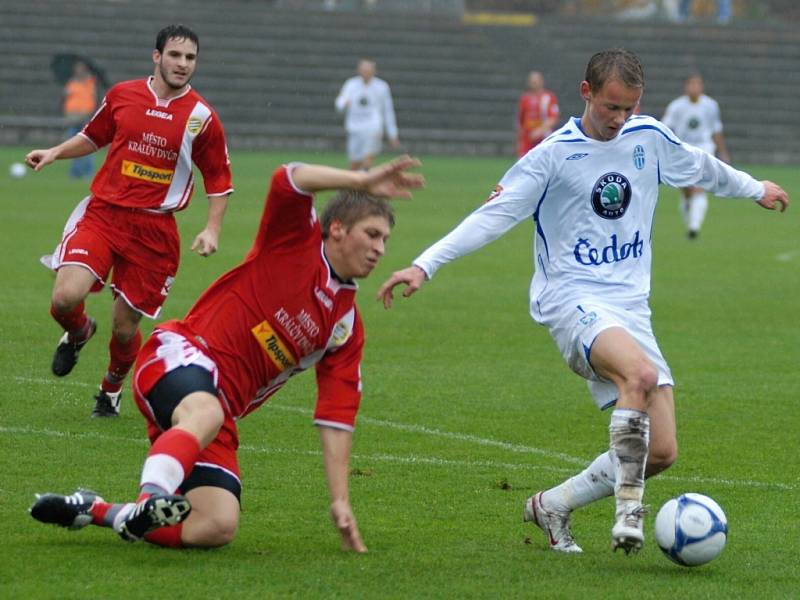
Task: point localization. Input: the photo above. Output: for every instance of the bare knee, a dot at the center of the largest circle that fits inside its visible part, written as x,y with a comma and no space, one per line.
65,298
640,379
661,458
209,531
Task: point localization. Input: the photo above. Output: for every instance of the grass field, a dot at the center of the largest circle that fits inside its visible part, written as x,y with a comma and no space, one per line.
468,409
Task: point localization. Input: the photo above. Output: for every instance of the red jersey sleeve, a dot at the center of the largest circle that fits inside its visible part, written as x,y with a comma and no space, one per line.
210,154
339,382
101,128
289,217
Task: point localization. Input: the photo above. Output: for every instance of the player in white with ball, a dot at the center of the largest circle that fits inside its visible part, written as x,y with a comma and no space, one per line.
592,188
695,119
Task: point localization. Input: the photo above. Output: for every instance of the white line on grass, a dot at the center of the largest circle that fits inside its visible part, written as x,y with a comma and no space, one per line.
407,459
787,256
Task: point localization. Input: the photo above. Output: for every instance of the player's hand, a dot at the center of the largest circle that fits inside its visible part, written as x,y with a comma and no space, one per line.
391,180
206,243
345,522
39,159
413,277
773,196
394,143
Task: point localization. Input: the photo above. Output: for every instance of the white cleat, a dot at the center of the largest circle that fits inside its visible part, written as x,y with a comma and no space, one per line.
628,532
556,525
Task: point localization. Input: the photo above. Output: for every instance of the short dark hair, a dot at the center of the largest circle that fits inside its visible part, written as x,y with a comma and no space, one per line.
616,63
351,206
175,32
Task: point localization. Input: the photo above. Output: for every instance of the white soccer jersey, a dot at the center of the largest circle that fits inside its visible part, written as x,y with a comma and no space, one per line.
369,106
694,122
593,204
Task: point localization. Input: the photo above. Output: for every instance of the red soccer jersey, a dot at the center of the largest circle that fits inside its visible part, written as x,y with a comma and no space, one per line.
280,312
532,112
153,144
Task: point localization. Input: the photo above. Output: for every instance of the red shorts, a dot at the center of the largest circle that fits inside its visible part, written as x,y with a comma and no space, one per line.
166,351
140,248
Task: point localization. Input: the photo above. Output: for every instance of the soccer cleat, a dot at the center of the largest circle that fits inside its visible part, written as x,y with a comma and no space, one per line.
555,524
152,513
72,512
628,531
66,354
107,404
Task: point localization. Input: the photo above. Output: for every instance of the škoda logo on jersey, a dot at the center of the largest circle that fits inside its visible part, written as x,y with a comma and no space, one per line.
270,343
611,196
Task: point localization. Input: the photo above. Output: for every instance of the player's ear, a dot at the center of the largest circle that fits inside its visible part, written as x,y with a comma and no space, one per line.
156,56
585,90
336,230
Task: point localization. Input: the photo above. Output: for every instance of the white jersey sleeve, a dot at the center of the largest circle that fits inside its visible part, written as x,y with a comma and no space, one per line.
513,200
344,96
684,165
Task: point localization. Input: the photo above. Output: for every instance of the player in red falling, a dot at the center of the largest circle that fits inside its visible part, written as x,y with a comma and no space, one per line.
289,306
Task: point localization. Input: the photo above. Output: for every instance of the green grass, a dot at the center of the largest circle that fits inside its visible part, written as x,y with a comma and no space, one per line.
467,410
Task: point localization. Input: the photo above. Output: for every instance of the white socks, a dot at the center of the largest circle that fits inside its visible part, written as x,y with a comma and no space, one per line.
630,439
693,210
594,482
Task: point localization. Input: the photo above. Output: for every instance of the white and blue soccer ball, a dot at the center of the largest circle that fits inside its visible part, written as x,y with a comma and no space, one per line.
691,529
17,170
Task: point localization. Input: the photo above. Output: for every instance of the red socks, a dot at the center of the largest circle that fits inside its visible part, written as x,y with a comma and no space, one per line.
75,321
122,357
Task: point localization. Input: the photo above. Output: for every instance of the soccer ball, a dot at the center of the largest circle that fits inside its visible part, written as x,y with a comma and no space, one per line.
17,170
691,529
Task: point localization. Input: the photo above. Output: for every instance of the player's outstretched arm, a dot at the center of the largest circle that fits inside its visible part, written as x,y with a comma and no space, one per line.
336,444
74,147
389,180
774,195
413,277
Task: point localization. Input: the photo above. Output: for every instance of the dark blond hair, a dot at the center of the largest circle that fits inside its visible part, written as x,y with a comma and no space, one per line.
616,63
351,206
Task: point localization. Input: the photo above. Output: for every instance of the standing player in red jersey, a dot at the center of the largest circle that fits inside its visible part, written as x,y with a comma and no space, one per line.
157,128
537,114
288,306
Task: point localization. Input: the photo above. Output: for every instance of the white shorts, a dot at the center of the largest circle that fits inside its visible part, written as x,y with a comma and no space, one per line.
363,143
577,326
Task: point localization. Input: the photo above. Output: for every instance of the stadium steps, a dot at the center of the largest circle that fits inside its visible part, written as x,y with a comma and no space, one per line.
455,86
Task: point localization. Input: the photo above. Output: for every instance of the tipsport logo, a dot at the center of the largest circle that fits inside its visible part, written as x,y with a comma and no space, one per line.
611,196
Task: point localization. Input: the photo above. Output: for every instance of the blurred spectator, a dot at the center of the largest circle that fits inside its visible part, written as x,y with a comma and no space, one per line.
723,11
537,113
80,102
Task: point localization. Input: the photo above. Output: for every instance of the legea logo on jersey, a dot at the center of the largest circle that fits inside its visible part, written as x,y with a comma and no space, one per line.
193,125
611,196
587,254
270,343
638,157
137,171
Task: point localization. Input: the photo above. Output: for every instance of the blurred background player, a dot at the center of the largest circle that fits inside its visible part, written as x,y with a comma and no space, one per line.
592,189
695,119
537,114
80,102
366,101
288,307
157,128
